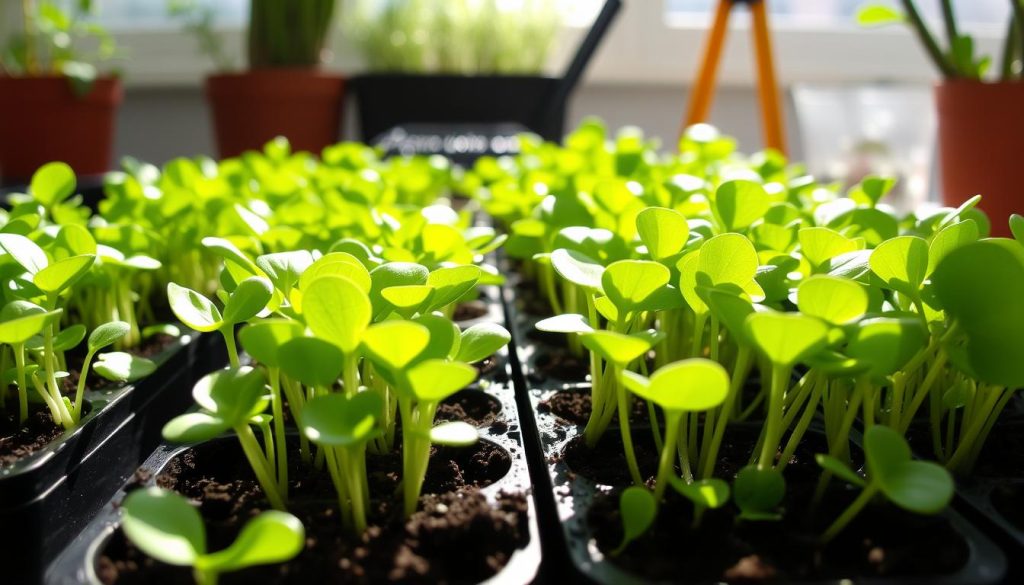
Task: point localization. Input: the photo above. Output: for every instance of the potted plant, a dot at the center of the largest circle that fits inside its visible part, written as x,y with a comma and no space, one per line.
284,92
980,122
466,62
54,102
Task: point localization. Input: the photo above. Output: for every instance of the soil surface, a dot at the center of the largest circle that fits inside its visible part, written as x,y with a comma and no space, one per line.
573,405
39,430
562,364
475,407
20,441
882,541
456,537
469,310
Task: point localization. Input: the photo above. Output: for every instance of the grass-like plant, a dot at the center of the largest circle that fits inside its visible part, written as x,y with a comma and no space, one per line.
456,36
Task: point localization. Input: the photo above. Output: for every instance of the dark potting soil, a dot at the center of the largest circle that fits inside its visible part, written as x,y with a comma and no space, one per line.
19,441
491,368
1009,501
39,430
562,364
475,407
456,537
573,405
882,541
469,310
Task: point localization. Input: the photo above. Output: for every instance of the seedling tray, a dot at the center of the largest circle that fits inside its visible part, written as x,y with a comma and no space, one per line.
76,564
564,526
46,498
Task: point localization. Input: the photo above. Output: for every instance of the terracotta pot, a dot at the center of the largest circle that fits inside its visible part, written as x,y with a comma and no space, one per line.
42,120
981,146
252,108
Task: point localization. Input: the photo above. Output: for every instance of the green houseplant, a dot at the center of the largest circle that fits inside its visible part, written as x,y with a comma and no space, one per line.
54,102
468,62
977,101
284,92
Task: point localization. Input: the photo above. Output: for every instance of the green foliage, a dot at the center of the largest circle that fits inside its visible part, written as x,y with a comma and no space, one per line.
165,526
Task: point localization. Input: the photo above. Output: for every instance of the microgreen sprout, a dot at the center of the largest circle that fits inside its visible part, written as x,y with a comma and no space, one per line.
167,527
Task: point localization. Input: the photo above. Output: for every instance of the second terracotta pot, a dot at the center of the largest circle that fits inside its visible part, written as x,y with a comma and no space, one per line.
42,120
981,146
251,108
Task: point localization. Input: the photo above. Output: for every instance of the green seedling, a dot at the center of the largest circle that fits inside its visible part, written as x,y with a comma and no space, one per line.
921,487
344,425
165,526
639,509
229,399
694,385
983,344
198,312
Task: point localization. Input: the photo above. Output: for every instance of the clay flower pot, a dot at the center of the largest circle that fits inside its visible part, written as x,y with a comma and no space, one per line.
253,107
981,142
42,120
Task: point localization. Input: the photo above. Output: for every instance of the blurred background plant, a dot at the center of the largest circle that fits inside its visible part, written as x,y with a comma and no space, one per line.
454,36
59,38
282,33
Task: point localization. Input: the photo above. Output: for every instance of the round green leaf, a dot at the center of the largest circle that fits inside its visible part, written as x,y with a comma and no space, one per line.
902,263
120,366
835,300
481,341
445,336
194,427
247,300
24,251
737,204
708,493
164,525
886,344
234,394
285,268
341,420
818,245
61,274
730,261
639,509
193,309
409,298
664,231
685,386
272,537
451,284
263,339
923,487
52,183
578,268
435,380
337,264
107,334
337,310
629,283
310,360
615,347
395,344
950,238
977,285
839,469
758,492
786,338
20,320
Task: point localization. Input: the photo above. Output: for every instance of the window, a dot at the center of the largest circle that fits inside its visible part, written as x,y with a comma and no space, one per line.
973,15
134,15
